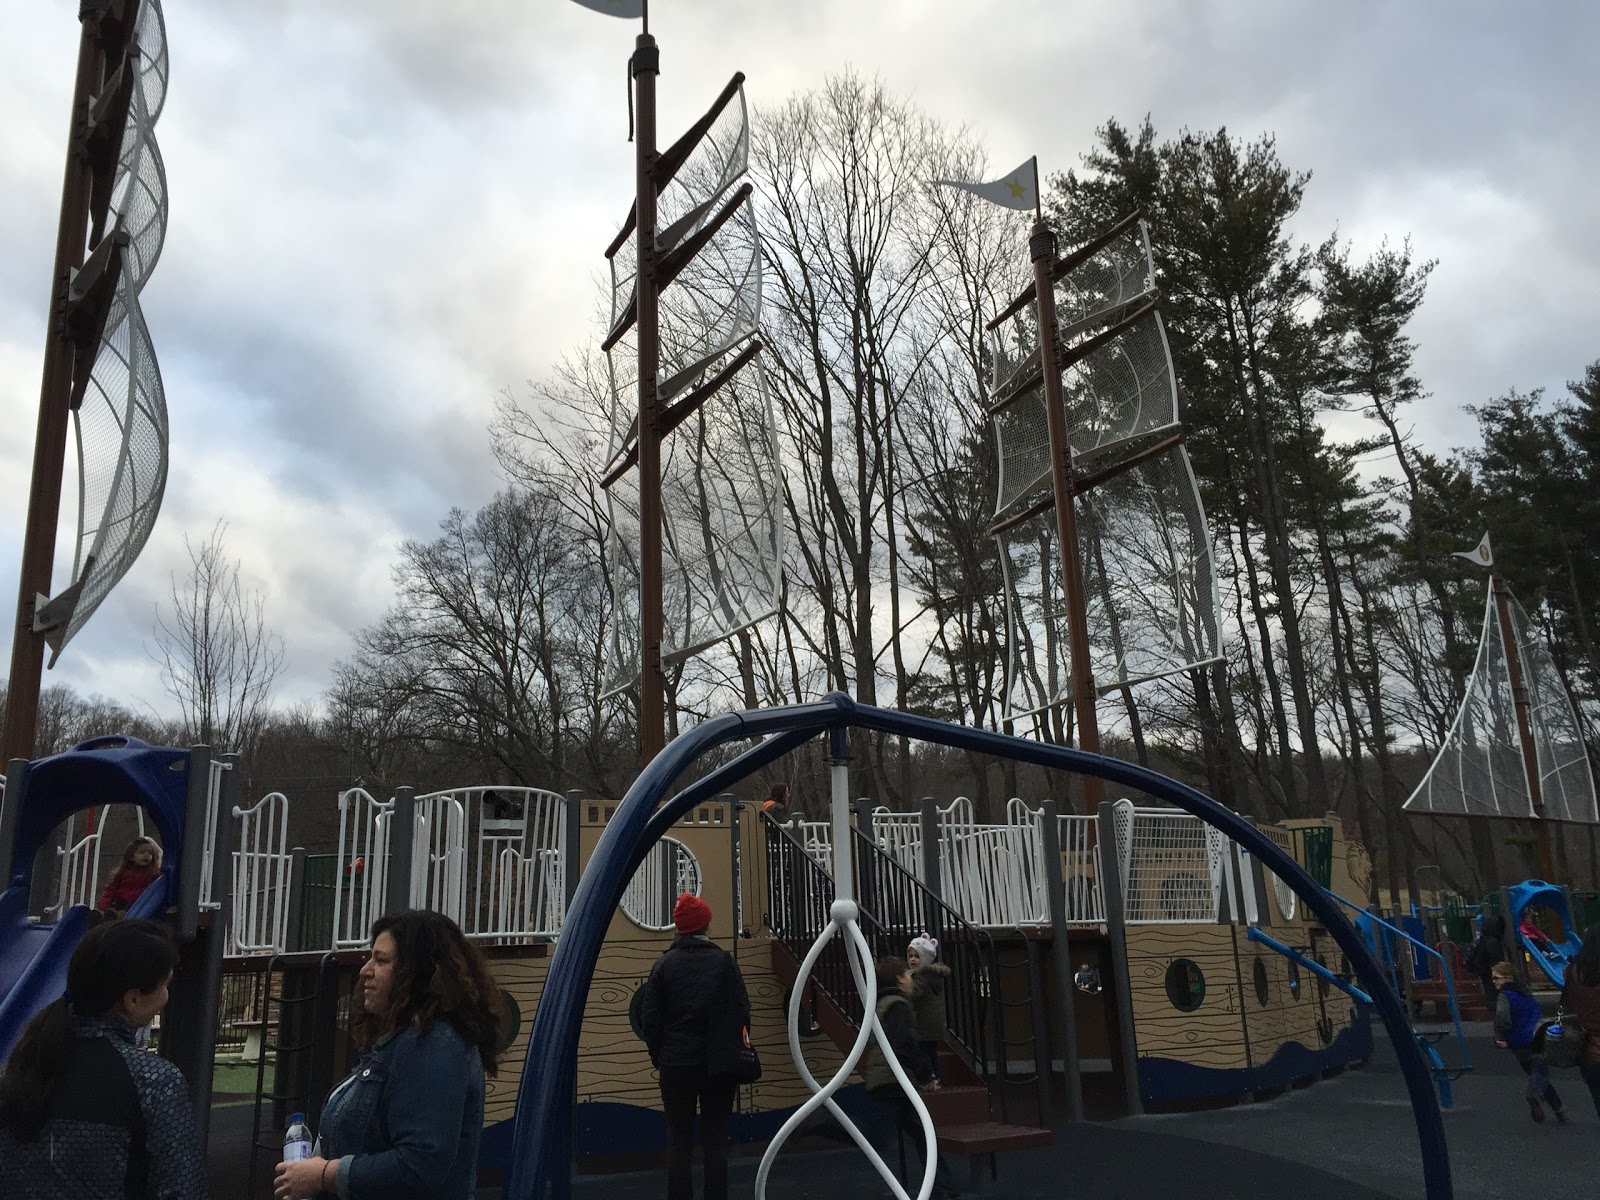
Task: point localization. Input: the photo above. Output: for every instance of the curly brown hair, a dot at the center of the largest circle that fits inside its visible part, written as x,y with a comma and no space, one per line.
438,975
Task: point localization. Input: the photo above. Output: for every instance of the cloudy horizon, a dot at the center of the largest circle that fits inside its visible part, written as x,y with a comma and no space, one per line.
385,214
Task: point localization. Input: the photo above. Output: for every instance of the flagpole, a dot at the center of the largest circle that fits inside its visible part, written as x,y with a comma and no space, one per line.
1519,702
1042,247
1038,196
646,65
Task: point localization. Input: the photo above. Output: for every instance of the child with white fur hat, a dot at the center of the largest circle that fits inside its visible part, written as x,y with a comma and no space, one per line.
927,996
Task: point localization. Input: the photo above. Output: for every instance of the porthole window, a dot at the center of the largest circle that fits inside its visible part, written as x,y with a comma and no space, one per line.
509,1023
1294,979
1258,974
667,871
1186,985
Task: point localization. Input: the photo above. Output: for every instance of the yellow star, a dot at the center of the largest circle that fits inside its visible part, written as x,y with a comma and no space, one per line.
1016,187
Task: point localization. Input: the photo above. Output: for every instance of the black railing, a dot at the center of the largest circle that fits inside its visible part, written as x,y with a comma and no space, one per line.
894,908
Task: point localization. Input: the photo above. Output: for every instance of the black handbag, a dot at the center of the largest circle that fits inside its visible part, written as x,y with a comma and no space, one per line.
1565,1039
729,1054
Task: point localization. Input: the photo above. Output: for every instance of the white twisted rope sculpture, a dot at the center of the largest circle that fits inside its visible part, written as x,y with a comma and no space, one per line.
842,922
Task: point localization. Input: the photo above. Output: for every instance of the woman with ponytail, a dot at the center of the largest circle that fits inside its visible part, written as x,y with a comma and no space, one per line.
83,1111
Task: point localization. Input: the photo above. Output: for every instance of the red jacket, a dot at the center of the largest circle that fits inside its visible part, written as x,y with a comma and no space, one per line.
126,886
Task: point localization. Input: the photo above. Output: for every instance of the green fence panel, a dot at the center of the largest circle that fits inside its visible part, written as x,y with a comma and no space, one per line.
1319,855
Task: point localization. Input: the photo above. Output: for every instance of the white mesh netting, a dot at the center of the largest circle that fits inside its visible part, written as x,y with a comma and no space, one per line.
721,492
1149,578
1479,770
121,423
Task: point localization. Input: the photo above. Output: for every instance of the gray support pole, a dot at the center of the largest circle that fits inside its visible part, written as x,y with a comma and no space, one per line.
1061,957
737,867
1111,885
867,876
402,846
1043,1059
216,944
928,822
11,815
571,848
293,941
194,842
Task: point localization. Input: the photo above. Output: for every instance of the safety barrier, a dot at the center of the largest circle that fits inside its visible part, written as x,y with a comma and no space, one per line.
261,877
363,857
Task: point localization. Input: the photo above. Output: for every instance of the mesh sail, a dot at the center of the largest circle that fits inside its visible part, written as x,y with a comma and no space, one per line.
1149,578
1566,785
721,489
1122,391
122,442
1478,770
121,422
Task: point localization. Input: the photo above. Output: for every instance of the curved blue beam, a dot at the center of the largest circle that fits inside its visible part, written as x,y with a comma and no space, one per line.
541,1147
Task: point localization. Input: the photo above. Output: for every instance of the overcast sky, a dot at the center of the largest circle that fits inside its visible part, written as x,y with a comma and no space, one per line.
384,212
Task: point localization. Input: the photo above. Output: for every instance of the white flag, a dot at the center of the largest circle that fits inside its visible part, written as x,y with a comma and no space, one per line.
1015,189
1482,554
633,9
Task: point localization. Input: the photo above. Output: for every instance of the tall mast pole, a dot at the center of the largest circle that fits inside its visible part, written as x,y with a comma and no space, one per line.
1519,701
652,682
55,391
1042,248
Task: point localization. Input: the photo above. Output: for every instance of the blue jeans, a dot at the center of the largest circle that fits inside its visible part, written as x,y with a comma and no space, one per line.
1539,1085
892,1125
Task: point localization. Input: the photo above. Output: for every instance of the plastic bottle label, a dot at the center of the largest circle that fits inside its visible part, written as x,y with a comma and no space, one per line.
296,1151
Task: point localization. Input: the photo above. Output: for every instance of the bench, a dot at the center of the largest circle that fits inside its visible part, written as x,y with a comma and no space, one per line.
252,1038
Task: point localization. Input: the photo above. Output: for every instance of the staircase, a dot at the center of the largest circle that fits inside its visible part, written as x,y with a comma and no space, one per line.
895,907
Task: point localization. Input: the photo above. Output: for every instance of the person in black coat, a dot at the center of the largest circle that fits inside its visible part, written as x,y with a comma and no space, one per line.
1488,949
689,987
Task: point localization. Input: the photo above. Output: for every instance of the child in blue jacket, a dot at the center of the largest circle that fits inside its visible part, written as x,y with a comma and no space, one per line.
1516,1028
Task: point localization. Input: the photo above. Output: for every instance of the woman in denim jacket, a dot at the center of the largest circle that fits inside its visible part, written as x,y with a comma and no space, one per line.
407,1121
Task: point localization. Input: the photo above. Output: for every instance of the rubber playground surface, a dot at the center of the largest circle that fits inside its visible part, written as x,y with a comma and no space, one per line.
1347,1138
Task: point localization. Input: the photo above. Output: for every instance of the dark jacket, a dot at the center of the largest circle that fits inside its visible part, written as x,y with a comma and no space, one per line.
894,1015
408,1120
690,985
927,1002
121,1125
1516,1017
1582,999
1489,949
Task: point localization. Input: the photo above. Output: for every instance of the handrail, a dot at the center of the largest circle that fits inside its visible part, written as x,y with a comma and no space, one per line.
1344,985
1444,970
544,1122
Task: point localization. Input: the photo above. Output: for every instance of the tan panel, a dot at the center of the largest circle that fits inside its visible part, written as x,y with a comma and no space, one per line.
1213,1034
1265,1022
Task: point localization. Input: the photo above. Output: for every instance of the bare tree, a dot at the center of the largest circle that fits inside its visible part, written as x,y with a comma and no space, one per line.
218,657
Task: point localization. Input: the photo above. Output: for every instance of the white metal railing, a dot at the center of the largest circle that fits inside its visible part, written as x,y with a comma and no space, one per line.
439,855
363,857
213,801
519,888
80,861
261,870
1080,868
668,870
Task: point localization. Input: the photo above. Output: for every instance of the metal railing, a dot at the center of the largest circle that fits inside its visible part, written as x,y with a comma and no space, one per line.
364,857
261,877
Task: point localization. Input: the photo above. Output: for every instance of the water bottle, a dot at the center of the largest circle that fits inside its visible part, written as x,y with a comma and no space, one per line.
297,1139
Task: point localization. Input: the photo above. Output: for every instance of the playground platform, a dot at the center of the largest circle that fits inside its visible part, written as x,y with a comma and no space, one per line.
1347,1138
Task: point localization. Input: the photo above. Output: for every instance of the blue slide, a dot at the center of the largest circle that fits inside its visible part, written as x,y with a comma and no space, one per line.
1550,955
109,770
34,955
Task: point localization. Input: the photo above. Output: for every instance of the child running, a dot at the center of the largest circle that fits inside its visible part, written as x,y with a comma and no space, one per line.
927,998
141,863
1516,1024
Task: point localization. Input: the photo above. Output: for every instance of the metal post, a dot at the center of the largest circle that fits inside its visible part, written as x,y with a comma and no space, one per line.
839,769
571,848
928,824
645,66
869,869
194,842
1042,248
1116,932
294,918
11,817
1519,701
402,846
1043,1059
1061,956
55,390
735,867
209,991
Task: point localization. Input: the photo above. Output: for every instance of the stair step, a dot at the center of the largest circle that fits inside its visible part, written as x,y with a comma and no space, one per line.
957,1105
990,1137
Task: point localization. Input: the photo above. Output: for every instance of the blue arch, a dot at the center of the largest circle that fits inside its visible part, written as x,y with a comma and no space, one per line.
542,1133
